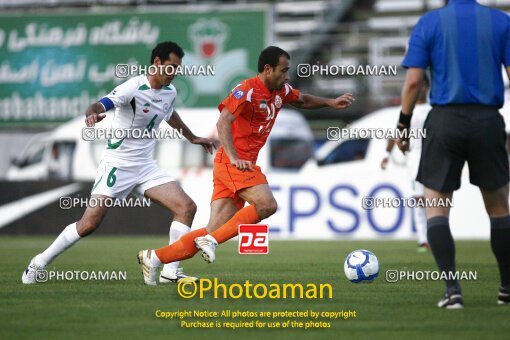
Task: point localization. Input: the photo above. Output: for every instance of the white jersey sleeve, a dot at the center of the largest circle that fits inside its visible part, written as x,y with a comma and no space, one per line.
124,93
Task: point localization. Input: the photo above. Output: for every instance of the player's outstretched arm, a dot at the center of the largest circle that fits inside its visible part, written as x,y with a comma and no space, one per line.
176,122
95,113
308,101
225,133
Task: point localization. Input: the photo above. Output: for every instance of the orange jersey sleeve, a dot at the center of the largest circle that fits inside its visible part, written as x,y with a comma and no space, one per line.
236,101
292,94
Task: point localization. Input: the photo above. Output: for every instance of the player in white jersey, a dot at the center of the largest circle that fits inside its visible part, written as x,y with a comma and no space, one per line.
413,161
141,103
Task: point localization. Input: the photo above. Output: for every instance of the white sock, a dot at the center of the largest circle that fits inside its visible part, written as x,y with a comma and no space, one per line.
155,261
420,220
177,230
66,239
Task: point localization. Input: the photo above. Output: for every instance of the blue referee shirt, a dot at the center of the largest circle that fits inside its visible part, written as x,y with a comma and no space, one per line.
465,45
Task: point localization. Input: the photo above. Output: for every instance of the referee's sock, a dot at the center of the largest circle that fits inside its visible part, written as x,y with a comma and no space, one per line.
442,245
500,243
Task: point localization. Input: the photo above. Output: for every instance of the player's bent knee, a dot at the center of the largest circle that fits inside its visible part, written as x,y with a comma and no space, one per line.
186,210
273,207
266,209
190,209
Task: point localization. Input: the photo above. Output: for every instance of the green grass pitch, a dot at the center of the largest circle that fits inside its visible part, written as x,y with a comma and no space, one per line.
126,309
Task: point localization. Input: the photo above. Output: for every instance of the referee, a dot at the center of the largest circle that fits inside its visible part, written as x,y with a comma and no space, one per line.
464,44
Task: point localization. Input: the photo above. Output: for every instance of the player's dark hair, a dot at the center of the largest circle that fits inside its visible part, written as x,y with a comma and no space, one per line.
270,56
163,50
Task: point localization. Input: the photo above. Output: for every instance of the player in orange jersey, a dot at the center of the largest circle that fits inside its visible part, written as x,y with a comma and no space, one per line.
247,117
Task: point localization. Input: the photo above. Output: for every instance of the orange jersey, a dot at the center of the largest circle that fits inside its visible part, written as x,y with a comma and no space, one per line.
255,109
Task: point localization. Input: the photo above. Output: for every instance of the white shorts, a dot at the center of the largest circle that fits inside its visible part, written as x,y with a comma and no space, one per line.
413,162
117,179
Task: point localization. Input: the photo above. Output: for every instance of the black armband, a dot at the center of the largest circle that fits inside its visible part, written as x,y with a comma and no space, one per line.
404,120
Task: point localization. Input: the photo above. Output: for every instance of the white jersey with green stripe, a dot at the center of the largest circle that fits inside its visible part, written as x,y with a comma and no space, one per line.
137,107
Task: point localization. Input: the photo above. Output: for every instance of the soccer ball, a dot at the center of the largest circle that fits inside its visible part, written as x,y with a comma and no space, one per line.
361,266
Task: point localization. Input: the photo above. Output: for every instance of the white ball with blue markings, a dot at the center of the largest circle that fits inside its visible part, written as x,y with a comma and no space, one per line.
361,266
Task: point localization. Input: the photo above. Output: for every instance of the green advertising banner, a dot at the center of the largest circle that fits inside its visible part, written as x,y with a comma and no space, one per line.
54,66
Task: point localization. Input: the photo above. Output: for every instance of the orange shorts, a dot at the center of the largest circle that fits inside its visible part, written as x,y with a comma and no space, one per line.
228,180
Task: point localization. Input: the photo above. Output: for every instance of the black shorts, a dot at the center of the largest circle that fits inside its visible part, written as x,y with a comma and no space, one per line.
460,133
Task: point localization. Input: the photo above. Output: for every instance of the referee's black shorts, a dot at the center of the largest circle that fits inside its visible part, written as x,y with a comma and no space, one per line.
459,133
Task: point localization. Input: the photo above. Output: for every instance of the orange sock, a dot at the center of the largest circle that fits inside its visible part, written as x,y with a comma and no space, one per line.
182,249
247,215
